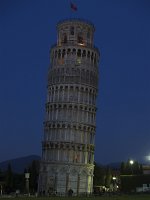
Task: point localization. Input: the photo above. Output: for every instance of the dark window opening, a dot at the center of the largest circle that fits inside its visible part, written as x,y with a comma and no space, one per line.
72,30
79,53
65,38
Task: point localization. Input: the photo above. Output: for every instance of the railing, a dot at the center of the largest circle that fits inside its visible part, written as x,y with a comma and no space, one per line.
75,43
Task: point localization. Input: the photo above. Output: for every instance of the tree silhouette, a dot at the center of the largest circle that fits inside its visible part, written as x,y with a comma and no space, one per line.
128,169
9,179
34,172
99,175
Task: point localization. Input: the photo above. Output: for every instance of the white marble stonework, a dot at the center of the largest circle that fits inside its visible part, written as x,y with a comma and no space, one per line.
70,121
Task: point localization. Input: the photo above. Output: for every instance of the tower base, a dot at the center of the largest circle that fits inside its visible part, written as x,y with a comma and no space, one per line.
65,180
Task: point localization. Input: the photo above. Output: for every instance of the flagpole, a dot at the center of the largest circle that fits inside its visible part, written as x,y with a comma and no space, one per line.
73,8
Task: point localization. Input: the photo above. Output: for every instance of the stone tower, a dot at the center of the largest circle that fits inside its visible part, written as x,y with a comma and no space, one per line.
69,127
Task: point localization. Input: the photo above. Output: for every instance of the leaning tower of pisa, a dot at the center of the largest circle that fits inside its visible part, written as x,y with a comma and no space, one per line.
69,127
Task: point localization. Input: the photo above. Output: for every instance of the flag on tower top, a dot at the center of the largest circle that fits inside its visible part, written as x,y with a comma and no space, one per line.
73,6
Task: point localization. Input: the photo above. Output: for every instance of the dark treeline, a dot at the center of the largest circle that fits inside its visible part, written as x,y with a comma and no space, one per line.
126,178
131,169
11,181
132,177
103,175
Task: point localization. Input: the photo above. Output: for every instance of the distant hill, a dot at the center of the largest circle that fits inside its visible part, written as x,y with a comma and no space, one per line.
19,164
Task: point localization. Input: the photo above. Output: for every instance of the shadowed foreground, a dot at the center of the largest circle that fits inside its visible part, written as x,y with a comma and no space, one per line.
115,197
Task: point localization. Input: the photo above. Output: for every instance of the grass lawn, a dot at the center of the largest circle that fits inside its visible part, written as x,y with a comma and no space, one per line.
115,197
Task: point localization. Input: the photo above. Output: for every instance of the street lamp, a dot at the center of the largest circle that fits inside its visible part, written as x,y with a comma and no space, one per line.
27,176
131,163
114,183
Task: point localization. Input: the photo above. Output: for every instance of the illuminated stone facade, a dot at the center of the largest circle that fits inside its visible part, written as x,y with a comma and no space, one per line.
69,127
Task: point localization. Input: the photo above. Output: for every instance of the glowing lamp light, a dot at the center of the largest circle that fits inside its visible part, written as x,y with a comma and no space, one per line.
147,157
27,175
81,44
131,162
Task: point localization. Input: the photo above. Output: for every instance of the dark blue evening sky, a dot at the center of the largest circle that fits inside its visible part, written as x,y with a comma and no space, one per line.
28,29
